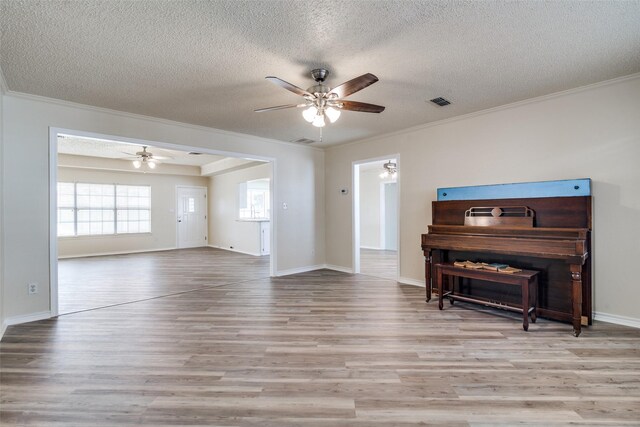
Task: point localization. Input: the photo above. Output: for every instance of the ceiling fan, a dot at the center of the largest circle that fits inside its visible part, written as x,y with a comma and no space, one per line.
321,100
145,157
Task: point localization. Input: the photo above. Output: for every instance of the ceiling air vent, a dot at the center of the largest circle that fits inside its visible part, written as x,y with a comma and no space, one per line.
194,153
303,141
440,101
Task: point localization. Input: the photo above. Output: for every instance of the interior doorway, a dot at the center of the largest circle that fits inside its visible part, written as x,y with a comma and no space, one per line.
129,220
191,213
376,213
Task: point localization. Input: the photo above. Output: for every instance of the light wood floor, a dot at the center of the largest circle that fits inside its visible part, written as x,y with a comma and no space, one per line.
379,263
314,349
92,282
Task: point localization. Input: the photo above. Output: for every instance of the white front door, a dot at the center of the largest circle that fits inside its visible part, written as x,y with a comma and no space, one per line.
192,217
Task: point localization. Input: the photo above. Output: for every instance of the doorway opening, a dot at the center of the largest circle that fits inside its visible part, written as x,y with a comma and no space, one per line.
375,217
132,220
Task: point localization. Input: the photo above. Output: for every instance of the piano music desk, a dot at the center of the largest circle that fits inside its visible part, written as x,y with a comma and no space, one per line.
526,279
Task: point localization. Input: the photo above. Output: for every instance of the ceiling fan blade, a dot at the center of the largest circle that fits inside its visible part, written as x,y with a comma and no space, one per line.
279,107
362,107
135,156
354,85
288,86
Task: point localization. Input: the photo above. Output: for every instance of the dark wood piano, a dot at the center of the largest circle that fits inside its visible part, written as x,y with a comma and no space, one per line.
558,246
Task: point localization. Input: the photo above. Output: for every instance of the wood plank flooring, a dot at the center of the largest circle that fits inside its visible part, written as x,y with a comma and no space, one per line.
314,349
100,281
379,263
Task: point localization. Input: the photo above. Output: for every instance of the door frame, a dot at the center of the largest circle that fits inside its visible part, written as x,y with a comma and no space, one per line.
206,213
53,202
355,211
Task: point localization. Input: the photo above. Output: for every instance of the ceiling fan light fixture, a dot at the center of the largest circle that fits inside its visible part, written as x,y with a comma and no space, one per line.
318,121
321,100
152,165
333,114
310,113
390,170
137,164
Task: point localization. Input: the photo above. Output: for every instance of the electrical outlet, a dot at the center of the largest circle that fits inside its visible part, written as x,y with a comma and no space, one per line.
33,288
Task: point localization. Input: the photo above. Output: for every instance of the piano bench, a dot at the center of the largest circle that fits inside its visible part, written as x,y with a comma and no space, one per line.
526,279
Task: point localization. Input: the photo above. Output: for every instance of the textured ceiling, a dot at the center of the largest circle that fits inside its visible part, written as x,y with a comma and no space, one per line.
204,62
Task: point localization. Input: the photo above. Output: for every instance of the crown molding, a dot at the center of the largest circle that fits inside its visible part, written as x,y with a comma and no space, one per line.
492,110
221,132
6,91
120,165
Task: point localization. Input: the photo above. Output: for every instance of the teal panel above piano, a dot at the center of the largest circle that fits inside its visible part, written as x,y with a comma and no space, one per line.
520,190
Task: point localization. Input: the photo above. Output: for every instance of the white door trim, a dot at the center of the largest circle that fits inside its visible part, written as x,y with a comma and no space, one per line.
53,221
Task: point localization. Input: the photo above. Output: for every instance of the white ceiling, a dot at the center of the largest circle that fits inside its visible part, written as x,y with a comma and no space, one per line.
103,148
204,62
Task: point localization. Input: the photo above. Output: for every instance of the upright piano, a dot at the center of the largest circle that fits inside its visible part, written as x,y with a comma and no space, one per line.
558,246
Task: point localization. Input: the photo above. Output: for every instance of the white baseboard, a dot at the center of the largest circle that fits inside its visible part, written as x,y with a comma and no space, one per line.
338,268
412,282
116,253
298,270
375,248
313,268
235,250
26,318
618,320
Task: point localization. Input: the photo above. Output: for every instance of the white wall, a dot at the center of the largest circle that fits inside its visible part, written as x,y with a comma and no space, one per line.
163,212
593,132
299,180
389,214
370,214
225,230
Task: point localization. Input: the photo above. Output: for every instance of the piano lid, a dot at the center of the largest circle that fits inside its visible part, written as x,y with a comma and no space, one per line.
522,232
569,249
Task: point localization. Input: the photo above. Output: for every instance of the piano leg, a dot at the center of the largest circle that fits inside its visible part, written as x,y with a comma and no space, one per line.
576,297
524,284
427,273
439,283
454,282
534,297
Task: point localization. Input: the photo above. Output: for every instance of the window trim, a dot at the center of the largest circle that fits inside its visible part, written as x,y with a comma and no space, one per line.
243,194
115,209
